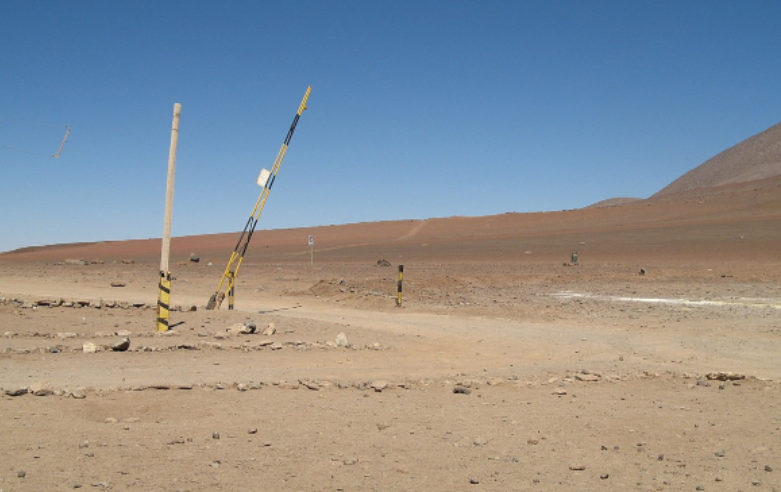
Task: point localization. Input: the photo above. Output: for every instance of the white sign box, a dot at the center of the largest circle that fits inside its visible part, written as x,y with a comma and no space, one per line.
263,178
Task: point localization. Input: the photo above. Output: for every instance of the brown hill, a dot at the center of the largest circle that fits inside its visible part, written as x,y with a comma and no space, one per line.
613,202
755,158
728,223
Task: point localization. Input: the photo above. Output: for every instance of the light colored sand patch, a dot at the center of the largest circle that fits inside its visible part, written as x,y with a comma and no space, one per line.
743,302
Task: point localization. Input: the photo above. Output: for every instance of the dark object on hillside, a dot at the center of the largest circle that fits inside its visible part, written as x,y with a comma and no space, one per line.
383,263
194,258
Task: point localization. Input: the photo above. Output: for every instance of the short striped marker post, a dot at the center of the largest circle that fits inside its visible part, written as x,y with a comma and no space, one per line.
231,291
164,301
401,281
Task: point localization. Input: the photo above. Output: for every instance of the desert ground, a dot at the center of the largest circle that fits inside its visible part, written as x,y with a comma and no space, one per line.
650,364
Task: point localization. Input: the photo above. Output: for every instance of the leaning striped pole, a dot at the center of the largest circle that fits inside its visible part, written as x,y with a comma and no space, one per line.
164,297
401,281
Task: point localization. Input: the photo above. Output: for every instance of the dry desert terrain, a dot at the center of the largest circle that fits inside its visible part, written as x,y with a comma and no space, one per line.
650,364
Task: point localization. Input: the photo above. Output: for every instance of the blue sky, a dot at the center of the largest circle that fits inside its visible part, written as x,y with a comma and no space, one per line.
418,109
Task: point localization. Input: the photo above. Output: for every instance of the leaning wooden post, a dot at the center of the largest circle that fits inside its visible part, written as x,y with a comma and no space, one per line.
164,298
401,280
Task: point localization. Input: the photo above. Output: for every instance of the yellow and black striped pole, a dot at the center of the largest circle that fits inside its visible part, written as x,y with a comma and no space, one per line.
266,181
401,281
164,301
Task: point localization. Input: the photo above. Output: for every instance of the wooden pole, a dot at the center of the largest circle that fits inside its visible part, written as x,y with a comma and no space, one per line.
164,298
169,191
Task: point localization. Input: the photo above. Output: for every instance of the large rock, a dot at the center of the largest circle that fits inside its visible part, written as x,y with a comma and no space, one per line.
121,345
341,340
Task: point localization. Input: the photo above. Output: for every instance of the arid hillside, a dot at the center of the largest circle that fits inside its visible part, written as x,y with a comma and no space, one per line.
721,223
756,158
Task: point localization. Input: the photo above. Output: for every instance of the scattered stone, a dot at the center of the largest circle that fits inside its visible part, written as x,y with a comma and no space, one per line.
78,262
379,385
577,467
341,340
474,480
42,388
246,328
46,302
79,394
194,258
560,392
66,335
253,430
461,390
604,476
700,487
121,345
90,348
16,391
725,376
215,435
21,474
270,330
643,271
110,420
383,263
312,385
117,284
720,453
480,441
587,377
768,468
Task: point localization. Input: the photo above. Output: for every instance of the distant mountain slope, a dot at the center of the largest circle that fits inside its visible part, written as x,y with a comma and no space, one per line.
614,202
757,157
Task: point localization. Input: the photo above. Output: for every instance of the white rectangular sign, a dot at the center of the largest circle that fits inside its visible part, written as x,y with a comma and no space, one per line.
311,240
263,177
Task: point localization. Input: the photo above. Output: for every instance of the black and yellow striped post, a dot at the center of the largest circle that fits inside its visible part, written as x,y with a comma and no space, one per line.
401,281
164,301
231,291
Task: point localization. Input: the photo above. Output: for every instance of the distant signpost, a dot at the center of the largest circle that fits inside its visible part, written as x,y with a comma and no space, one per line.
311,250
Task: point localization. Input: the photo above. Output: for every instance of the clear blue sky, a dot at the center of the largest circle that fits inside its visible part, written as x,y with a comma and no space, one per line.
418,109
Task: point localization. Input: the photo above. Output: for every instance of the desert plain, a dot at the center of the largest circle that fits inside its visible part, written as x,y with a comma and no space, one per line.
651,363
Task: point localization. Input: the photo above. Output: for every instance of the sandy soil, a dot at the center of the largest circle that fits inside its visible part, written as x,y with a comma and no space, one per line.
651,364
